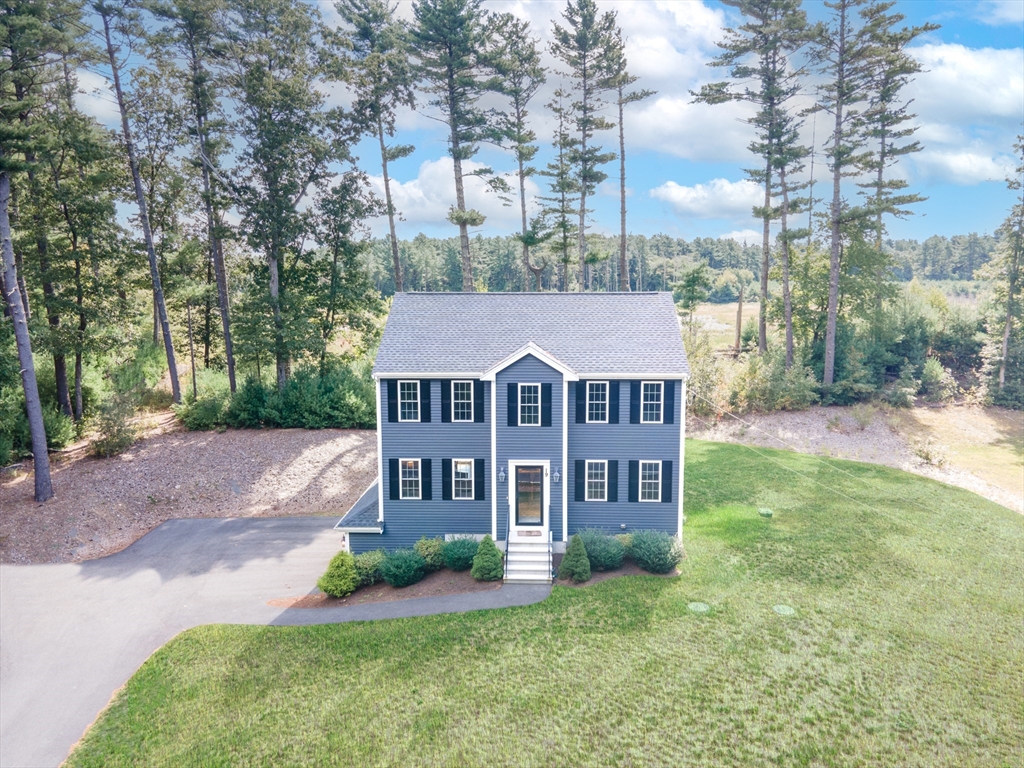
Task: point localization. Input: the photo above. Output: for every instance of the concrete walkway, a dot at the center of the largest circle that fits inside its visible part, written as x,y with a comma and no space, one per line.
71,635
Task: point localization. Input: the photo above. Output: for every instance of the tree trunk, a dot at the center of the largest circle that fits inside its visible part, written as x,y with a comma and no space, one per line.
147,233
280,355
623,281
787,303
766,251
396,262
12,296
191,350
828,374
739,319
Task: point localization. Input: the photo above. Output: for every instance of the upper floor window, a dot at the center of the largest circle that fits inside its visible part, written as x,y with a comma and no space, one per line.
651,407
462,401
650,481
529,405
597,402
462,478
408,401
597,480
410,478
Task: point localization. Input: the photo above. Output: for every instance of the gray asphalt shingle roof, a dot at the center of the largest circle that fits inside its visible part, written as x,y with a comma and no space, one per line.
364,512
591,333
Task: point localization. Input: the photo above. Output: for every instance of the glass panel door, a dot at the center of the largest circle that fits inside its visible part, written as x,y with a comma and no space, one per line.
529,495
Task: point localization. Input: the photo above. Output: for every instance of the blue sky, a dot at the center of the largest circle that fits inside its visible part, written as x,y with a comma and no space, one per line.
685,161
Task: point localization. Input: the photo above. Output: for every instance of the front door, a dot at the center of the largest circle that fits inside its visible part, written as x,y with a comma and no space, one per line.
529,505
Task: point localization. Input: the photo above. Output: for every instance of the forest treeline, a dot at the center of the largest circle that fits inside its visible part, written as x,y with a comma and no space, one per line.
225,219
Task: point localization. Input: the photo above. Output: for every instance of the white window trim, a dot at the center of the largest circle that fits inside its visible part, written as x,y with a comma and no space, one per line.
472,403
472,481
640,480
540,404
607,402
419,484
661,405
419,400
586,479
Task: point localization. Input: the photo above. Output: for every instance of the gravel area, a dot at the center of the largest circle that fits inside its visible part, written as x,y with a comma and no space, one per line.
834,432
103,505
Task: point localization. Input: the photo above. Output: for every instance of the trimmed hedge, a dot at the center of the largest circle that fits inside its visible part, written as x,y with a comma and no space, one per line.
368,566
604,552
487,565
656,551
575,564
403,567
341,578
432,551
459,553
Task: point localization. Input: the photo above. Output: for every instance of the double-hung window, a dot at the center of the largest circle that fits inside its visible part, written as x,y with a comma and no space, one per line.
650,481
597,481
462,401
529,405
597,402
410,478
651,407
408,401
462,478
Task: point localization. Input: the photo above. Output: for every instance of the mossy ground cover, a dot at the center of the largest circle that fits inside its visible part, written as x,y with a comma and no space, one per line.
906,648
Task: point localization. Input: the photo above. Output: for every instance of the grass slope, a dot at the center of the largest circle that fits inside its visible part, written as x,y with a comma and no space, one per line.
906,649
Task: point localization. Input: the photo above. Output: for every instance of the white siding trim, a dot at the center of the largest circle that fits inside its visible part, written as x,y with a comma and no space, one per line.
682,454
565,459
530,349
380,458
494,461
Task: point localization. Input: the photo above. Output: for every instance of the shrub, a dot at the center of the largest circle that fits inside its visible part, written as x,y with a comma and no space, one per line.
368,566
656,551
626,540
205,413
341,578
604,552
6,449
246,408
403,567
60,430
487,565
765,385
937,384
901,393
115,427
575,564
459,553
432,552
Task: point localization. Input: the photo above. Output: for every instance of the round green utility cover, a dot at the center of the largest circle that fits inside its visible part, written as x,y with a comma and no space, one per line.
699,607
783,610
764,512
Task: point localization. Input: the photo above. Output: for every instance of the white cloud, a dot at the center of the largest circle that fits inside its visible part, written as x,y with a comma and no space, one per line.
961,84
426,199
964,167
96,99
996,13
718,199
743,236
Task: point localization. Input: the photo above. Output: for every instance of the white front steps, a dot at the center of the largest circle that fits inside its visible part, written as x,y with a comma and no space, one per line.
528,563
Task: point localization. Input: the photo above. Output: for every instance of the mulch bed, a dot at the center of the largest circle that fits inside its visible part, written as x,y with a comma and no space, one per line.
443,582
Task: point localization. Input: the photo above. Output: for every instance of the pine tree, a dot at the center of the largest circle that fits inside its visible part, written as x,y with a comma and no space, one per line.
584,46
1007,264
562,204
377,67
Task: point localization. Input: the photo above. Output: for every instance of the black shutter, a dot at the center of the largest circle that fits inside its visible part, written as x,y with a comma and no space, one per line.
581,480
581,402
634,402
426,480
613,480
478,402
513,405
392,400
393,478
545,405
446,479
479,480
425,401
446,401
666,481
669,403
634,480
613,402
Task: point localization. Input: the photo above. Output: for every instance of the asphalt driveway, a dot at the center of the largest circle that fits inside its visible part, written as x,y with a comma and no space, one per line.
71,635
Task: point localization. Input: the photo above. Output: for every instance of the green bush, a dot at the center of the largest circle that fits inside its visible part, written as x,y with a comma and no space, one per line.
432,552
115,427
937,384
575,565
900,394
459,553
604,552
246,408
764,384
205,413
6,449
403,567
487,565
60,429
626,539
656,551
368,566
341,578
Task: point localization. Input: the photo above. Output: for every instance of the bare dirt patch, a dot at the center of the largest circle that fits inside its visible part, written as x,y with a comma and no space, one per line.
103,505
443,582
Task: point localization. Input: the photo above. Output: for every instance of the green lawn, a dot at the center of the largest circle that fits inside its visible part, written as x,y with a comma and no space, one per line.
907,648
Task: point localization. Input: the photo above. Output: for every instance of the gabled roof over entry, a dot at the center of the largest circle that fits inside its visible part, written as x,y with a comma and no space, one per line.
590,334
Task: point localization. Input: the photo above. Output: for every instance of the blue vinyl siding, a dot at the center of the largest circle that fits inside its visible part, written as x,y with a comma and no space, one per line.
405,522
623,442
530,443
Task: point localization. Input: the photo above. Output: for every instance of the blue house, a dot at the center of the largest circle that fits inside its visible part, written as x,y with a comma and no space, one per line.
527,416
